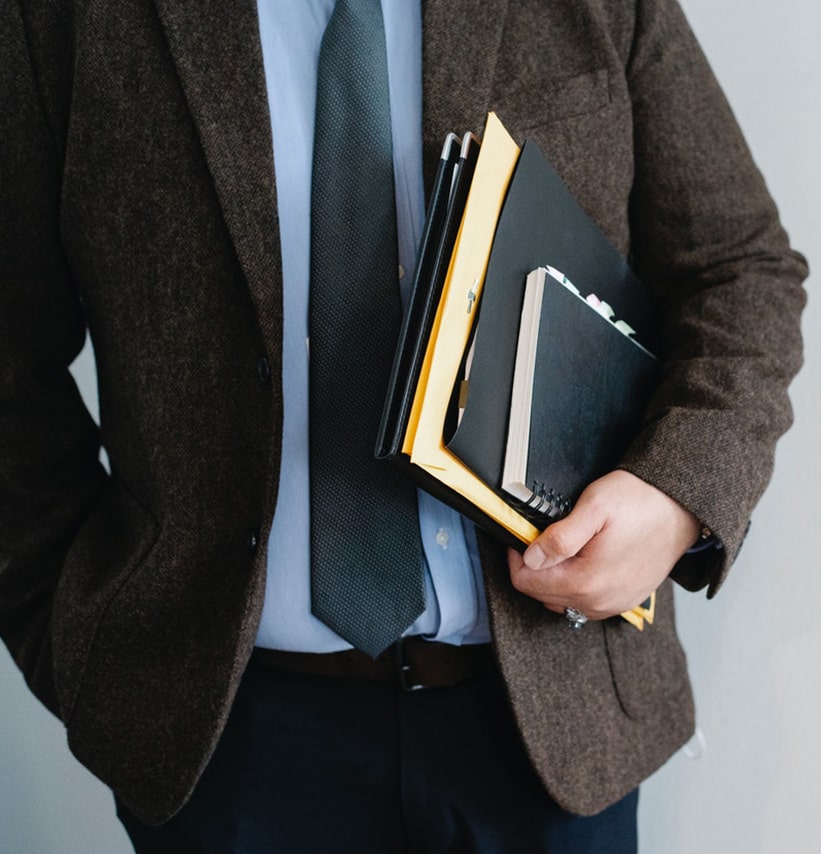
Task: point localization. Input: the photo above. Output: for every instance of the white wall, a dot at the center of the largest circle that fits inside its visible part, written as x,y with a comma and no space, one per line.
753,652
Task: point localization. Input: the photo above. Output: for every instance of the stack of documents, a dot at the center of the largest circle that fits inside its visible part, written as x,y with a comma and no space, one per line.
514,385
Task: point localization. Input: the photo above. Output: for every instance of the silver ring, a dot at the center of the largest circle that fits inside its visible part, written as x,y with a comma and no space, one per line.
575,618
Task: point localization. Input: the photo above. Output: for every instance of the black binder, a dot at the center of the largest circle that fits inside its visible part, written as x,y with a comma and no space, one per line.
444,214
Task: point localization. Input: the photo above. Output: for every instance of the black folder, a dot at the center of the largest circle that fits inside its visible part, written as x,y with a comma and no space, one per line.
541,224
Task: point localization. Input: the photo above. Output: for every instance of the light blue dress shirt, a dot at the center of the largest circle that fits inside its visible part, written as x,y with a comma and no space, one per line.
291,32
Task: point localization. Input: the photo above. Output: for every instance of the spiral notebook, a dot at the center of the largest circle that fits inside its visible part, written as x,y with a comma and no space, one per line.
580,384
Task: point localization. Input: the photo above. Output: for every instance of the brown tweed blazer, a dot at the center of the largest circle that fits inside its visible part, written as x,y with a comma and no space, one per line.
137,199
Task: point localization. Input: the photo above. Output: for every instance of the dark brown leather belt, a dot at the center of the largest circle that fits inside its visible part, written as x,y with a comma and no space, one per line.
411,663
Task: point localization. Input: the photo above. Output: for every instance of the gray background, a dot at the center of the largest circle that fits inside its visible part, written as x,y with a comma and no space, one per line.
753,652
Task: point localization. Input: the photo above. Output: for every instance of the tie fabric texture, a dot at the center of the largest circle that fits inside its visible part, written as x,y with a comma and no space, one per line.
366,559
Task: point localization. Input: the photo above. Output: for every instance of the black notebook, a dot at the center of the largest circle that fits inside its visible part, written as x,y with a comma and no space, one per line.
580,384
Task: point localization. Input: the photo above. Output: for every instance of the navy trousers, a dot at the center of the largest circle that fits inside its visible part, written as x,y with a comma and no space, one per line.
314,765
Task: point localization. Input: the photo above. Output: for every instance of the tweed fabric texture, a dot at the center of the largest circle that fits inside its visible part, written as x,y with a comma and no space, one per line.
366,557
131,600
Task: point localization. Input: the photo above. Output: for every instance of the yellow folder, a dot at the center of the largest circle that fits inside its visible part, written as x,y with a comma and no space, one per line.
451,332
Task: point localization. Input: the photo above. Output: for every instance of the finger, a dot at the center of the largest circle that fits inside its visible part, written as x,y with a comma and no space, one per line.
559,586
514,559
566,538
555,607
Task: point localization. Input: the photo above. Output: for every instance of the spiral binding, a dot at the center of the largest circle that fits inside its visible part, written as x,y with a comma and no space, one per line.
545,503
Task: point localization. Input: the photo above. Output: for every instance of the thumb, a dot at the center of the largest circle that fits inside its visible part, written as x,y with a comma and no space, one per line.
565,538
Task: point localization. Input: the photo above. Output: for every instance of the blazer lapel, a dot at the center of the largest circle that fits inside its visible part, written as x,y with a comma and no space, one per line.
217,53
223,78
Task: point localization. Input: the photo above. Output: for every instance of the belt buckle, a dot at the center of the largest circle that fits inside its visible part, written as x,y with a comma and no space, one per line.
403,669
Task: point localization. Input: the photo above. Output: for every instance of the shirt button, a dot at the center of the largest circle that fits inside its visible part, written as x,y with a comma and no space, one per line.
442,538
401,272
253,542
264,371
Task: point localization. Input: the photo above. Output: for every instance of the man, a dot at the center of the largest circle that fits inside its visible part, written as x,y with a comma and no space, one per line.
138,198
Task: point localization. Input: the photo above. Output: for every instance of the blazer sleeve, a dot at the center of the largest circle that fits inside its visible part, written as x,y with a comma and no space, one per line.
706,236
50,475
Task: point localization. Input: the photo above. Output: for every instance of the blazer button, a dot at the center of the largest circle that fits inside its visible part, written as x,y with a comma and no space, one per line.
264,370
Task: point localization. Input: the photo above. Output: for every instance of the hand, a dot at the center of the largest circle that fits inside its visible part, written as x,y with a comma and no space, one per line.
610,553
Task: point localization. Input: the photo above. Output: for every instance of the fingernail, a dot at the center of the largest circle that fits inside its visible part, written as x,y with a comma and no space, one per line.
534,557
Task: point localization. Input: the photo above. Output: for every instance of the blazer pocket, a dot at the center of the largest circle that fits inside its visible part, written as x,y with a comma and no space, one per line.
532,101
112,544
649,667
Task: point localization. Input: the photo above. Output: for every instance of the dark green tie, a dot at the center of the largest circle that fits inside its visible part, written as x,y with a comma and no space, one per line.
366,578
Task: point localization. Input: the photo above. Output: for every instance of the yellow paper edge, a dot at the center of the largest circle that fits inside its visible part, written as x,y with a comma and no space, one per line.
498,155
634,619
497,159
